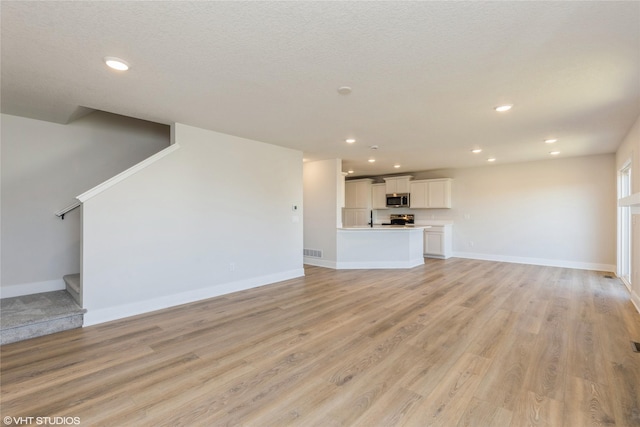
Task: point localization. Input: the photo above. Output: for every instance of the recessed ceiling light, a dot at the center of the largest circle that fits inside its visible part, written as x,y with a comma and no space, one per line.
554,153
344,90
372,160
116,63
503,108
349,140
491,159
396,166
550,140
476,150
350,171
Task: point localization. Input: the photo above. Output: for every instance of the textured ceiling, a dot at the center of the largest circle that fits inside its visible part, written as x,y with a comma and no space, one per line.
425,75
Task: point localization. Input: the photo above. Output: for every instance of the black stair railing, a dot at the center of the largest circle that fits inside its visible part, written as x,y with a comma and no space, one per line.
62,212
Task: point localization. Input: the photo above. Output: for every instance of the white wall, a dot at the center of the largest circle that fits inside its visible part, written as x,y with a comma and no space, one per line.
630,150
553,212
323,187
558,212
213,217
44,166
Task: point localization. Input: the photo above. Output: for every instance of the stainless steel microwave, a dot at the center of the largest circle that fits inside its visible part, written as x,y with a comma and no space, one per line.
400,200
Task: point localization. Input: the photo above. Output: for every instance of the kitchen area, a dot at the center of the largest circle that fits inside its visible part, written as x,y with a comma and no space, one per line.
387,224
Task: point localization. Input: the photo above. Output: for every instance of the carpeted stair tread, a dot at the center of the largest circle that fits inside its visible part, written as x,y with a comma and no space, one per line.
31,316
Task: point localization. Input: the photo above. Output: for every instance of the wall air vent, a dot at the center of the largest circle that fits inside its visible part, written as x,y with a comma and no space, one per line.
314,253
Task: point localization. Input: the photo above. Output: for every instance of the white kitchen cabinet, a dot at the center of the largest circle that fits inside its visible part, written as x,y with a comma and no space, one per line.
379,196
355,217
431,193
439,193
418,194
397,184
358,194
438,241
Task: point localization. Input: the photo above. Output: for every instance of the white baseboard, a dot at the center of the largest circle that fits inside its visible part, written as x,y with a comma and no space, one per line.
537,261
11,291
625,282
635,299
362,265
96,316
319,262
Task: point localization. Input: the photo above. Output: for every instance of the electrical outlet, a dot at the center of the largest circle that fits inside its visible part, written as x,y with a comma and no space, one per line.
232,266
471,243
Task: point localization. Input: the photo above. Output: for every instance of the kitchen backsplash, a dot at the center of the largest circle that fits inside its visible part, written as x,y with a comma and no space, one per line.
421,215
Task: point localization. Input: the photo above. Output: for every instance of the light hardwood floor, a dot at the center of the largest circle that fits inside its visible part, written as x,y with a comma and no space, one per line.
451,343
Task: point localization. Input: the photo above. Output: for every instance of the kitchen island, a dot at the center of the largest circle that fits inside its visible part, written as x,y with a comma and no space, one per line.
380,247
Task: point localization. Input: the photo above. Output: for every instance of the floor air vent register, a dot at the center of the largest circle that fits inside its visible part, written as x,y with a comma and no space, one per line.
315,253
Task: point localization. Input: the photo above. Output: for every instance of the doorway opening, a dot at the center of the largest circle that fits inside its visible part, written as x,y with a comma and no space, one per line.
624,225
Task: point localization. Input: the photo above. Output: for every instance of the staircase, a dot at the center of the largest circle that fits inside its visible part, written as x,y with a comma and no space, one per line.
72,282
30,316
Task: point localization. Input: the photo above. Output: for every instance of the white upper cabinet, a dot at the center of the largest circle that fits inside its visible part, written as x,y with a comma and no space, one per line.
439,193
397,184
431,193
418,194
379,196
358,194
